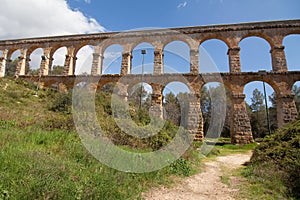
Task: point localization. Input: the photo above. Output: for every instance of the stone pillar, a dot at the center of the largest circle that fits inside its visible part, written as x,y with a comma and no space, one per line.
27,66
195,118
3,63
97,64
45,62
22,63
126,63
240,127
74,59
234,59
286,109
278,59
158,61
194,61
69,66
50,65
44,67
122,91
156,101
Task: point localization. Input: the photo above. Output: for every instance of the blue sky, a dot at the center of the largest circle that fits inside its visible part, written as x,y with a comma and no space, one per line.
120,15
90,16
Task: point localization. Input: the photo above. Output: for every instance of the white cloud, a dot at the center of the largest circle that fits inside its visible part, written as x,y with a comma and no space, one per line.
182,5
35,18
87,1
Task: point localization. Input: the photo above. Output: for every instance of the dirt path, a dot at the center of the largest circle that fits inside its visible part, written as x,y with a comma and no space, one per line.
207,184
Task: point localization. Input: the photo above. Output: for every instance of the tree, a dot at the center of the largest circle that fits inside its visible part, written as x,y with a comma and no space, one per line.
257,100
11,68
138,95
34,72
141,101
213,99
57,70
272,99
273,112
109,88
258,116
205,107
172,108
296,92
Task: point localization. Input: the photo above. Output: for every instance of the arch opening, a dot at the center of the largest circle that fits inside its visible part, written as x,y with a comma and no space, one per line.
261,111
139,95
57,66
292,49
140,98
175,100
255,54
35,62
296,92
112,61
84,59
142,63
213,56
12,64
176,57
213,98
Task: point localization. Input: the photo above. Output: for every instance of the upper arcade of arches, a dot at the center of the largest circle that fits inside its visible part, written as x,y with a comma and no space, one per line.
273,32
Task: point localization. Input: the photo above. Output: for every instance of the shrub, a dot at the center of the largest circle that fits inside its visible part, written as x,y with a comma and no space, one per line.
277,160
61,102
181,167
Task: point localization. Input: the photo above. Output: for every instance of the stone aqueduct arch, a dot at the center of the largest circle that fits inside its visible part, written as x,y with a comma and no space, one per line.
273,32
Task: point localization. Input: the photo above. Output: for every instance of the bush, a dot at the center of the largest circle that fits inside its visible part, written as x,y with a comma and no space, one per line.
64,122
181,167
277,160
62,102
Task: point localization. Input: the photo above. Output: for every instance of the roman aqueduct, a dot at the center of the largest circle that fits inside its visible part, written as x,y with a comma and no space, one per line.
235,80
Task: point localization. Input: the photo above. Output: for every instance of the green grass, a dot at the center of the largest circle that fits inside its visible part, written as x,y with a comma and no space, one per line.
38,164
231,148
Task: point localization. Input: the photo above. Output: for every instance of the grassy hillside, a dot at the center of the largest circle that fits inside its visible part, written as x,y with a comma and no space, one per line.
41,156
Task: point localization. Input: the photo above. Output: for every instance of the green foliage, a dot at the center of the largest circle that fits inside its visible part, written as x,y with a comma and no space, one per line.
10,70
5,124
277,161
258,115
213,99
62,102
34,71
181,167
172,108
296,92
139,96
57,70
257,100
